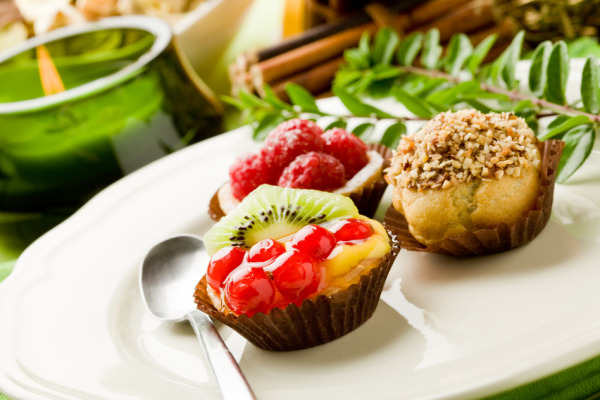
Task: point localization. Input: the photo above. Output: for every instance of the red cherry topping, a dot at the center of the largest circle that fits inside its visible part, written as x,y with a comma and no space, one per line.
296,275
248,291
221,264
352,229
315,241
265,250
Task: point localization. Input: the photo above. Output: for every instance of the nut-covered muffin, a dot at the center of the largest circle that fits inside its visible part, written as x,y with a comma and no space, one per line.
466,171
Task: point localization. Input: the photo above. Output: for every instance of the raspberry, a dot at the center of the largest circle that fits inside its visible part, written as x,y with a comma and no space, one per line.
248,172
289,140
314,170
347,148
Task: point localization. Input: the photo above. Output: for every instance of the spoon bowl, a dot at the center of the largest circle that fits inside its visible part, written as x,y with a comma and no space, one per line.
168,277
170,272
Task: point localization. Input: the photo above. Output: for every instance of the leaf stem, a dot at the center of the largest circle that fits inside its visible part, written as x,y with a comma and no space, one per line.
512,94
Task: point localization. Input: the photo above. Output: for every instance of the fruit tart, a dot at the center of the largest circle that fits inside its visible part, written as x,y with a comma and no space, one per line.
294,268
470,183
298,154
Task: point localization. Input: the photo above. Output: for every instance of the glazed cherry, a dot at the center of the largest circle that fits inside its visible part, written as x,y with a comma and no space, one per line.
248,291
315,241
282,302
296,275
265,250
352,229
221,264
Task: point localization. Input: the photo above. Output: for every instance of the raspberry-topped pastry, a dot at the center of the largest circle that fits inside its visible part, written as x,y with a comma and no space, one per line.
298,154
290,253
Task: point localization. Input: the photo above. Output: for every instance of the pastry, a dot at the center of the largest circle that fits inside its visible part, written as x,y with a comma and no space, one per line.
294,268
298,154
468,172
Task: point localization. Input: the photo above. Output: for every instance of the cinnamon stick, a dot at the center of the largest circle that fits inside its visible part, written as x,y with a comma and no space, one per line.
470,17
308,55
505,29
433,10
315,80
311,35
382,16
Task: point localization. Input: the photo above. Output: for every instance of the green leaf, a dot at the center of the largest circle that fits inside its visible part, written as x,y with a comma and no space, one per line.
459,50
476,58
381,71
266,125
493,72
564,125
414,104
233,102
558,72
430,86
557,121
381,89
357,107
251,100
448,97
362,84
346,77
357,59
364,44
513,54
409,48
431,49
338,123
524,106
479,106
584,46
579,142
590,86
393,133
384,46
271,98
364,131
539,67
302,98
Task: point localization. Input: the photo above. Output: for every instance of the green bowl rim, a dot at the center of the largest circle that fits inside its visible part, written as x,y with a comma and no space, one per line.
159,28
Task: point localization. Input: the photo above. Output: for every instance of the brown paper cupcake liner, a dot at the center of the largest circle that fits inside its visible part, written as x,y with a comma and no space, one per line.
491,240
366,199
316,321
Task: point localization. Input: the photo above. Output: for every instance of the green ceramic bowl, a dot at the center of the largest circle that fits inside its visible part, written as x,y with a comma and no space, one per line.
130,99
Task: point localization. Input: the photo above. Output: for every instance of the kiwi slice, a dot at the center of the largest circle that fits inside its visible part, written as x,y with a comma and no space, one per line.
272,212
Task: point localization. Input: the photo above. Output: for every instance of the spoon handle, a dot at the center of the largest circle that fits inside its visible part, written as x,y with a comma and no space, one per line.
229,376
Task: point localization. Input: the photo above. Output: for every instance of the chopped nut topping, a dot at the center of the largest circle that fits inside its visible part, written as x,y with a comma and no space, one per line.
462,146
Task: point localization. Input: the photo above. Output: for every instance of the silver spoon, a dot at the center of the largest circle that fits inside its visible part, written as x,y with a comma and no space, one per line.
169,274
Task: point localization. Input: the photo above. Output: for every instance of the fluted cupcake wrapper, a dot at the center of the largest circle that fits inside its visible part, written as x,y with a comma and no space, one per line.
366,199
316,321
493,240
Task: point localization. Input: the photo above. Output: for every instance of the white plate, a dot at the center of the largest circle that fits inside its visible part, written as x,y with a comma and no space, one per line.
73,325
